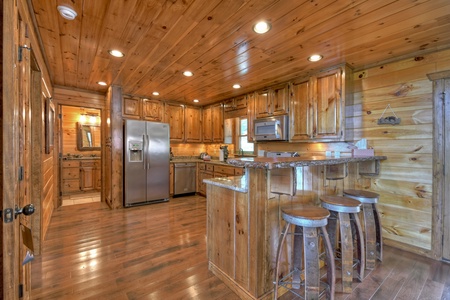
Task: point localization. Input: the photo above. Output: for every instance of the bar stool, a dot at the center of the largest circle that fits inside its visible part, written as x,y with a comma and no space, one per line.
310,223
345,210
372,224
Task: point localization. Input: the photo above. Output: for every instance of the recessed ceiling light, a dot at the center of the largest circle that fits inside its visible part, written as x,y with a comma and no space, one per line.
116,53
236,86
196,100
315,57
188,73
262,27
67,12
155,94
101,83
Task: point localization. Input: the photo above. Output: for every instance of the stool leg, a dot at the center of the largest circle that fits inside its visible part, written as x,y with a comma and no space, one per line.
379,231
358,233
331,277
346,252
277,267
297,258
370,235
331,228
312,266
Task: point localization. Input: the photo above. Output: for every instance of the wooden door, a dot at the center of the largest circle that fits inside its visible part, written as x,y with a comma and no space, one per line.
301,111
16,163
328,105
193,124
174,115
251,117
279,97
207,134
262,104
152,110
217,123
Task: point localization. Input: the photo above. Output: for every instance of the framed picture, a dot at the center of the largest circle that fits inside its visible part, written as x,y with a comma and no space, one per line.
49,125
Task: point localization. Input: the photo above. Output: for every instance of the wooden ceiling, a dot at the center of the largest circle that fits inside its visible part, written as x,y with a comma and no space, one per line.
214,40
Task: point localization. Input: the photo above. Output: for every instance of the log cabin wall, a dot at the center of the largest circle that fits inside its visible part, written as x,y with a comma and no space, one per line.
405,180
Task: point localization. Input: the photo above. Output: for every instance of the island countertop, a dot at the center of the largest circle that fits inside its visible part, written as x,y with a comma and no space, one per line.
292,162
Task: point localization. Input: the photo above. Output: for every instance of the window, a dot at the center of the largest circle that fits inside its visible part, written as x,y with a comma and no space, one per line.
243,144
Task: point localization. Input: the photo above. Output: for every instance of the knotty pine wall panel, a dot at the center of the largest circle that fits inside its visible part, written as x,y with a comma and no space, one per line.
405,180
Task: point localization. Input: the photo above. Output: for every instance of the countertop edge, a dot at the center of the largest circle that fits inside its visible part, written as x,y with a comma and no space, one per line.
292,162
235,183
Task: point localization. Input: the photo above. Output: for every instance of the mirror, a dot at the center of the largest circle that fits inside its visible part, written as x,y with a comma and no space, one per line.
88,137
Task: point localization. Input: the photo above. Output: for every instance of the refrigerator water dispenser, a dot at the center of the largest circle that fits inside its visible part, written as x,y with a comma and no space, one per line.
135,153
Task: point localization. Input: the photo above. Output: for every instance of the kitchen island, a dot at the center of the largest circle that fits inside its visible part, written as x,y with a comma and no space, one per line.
244,219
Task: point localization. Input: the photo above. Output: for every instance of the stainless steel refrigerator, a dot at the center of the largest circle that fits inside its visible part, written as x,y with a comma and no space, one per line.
146,162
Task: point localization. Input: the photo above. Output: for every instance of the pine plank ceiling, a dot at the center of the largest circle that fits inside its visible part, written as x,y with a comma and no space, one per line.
214,40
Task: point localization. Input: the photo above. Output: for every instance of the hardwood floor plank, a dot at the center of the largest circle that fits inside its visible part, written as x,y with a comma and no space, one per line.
158,252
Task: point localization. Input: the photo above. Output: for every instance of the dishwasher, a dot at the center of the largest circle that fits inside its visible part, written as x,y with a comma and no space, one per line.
184,178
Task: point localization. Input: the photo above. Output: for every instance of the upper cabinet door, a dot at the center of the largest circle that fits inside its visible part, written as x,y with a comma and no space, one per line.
217,122
301,111
152,110
174,115
328,102
193,124
262,105
131,107
207,131
279,98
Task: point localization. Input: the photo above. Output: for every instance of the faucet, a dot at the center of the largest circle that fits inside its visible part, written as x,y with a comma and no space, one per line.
241,151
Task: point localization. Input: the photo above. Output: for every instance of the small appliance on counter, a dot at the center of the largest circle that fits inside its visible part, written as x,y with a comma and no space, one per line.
223,154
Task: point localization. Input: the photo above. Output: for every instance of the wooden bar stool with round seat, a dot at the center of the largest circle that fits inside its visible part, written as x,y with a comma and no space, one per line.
351,253
372,224
310,224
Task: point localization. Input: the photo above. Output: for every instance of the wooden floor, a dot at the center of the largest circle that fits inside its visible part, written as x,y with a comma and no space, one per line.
158,252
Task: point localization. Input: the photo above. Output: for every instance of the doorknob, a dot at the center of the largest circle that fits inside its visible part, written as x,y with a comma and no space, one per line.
26,210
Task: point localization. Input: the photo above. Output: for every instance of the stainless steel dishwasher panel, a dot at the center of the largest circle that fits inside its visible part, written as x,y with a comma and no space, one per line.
184,180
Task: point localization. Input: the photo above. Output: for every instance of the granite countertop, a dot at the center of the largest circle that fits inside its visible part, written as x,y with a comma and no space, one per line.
291,162
198,160
235,183
81,158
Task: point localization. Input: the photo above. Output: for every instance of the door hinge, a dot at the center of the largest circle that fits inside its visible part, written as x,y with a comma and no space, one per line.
20,173
20,290
19,57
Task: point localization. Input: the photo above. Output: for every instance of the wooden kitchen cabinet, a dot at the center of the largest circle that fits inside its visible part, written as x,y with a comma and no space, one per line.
236,103
152,110
80,176
207,132
204,171
131,107
193,124
318,106
217,123
171,179
213,119
174,115
70,175
87,181
272,101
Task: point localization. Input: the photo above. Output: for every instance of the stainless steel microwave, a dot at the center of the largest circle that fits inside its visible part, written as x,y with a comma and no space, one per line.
272,128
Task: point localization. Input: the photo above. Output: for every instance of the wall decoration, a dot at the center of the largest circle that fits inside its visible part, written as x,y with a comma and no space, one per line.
49,125
392,120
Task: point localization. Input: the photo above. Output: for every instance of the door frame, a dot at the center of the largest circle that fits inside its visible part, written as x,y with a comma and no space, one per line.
440,239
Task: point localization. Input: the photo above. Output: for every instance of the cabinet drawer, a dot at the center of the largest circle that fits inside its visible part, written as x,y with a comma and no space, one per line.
71,186
209,167
71,173
70,163
201,166
224,170
238,171
88,164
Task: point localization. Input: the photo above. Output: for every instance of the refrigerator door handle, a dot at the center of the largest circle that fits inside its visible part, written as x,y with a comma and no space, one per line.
145,150
148,153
